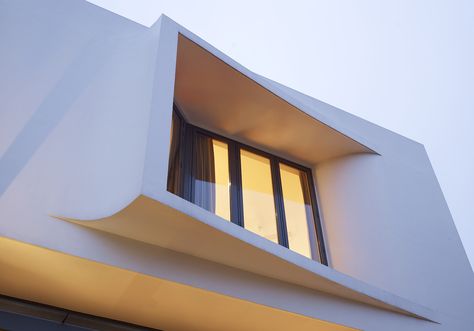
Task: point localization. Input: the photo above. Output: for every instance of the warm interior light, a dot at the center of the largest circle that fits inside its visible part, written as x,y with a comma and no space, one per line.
221,166
298,210
70,282
257,193
211,175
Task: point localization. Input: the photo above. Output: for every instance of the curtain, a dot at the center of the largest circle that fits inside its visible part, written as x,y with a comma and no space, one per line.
204,173
174,165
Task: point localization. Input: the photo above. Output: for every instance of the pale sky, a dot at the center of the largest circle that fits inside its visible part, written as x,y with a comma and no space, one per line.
405,65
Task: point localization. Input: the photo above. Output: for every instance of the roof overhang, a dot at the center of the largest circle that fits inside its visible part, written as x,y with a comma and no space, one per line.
214,95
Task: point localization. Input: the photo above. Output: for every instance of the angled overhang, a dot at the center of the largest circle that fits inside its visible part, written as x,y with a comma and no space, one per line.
215,95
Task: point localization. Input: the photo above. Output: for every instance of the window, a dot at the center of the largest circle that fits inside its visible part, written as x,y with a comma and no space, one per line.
258,196
210,179
263,193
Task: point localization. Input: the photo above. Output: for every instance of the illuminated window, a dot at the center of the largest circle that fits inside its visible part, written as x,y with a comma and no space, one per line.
298,210
211,181
265,194
257,195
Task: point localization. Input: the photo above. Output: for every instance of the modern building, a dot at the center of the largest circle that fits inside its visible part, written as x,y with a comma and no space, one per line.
148,181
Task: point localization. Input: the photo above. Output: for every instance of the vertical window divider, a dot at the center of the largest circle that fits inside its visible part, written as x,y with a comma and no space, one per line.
317,220
236,199
279,204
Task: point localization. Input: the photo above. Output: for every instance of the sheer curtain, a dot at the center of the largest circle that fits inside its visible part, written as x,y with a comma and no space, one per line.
204,173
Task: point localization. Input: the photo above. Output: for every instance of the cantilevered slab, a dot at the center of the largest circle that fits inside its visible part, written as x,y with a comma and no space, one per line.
202,234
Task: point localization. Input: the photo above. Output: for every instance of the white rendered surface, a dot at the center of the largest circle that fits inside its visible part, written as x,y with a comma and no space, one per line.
405,65
85,131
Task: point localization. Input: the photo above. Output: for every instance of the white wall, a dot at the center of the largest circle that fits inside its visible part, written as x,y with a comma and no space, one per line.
388,224
79,96
76,97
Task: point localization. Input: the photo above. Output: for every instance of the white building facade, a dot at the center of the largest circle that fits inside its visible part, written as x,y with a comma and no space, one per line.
148,181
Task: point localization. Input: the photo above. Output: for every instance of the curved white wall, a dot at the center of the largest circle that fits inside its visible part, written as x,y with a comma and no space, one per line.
79,105
387,223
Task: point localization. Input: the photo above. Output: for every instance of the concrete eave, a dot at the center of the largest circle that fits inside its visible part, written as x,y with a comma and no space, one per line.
173,223
318,113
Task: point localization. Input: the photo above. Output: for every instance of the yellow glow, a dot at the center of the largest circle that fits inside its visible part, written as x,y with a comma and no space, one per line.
54,278
297,212
221,165
257,192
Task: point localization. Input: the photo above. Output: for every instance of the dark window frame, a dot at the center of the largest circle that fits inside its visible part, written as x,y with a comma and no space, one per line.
187,138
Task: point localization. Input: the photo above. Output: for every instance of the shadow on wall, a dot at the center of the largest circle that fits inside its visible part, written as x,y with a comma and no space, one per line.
81,71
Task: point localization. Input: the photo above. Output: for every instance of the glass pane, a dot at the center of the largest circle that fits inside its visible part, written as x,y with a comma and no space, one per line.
174,162
211,176
221,165
298,209
257,193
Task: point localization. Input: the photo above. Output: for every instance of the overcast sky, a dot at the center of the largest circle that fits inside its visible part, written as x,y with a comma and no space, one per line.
405,65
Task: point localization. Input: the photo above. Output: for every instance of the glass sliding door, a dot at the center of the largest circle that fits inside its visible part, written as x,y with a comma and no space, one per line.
257,195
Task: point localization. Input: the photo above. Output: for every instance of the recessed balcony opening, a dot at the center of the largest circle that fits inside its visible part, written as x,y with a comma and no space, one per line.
245,154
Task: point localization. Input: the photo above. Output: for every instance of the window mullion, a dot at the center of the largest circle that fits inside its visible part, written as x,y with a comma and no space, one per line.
279,205
317,220
236,204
